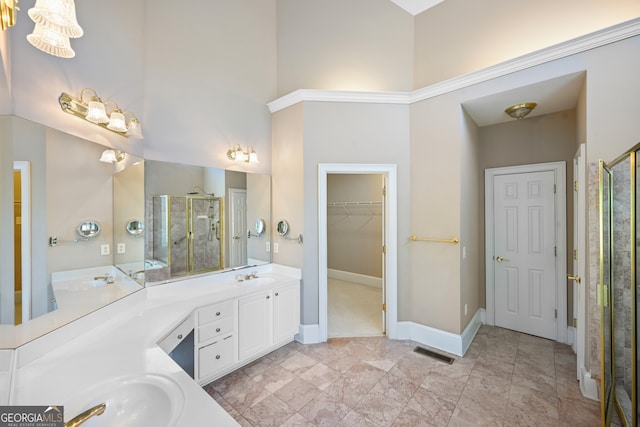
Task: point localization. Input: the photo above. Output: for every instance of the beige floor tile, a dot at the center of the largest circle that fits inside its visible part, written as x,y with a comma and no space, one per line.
505,379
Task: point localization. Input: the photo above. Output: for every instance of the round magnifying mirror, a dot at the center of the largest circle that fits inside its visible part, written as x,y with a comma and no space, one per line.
88,229
135,227
260,227
282,227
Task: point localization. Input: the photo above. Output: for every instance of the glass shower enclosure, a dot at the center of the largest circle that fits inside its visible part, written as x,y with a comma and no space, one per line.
187,233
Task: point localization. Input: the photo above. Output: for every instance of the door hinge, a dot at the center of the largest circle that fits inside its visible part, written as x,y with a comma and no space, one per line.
556,313
575,323
384,249
575,185
384,307
555,251
555,188
575,254
384,190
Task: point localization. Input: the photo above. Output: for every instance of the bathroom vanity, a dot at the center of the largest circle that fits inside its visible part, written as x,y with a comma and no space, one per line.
121,353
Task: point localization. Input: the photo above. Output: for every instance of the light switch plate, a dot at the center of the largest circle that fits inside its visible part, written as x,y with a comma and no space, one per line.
121,248
104,249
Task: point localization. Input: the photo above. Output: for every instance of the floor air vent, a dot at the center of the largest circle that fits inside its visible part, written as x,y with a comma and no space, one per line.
437,356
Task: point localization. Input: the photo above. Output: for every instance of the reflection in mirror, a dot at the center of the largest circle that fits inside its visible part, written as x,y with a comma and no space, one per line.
128,202
88,229
282,227
135,227
260,227
216,204
66,185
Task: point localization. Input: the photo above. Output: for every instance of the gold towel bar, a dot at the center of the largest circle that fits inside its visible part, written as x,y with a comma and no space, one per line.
453,240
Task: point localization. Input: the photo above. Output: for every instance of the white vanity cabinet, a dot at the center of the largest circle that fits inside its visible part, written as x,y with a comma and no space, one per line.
267,318
227,334
215,339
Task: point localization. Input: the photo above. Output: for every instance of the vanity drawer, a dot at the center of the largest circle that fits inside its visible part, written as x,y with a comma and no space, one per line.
214,329
216,356
171,341
215,312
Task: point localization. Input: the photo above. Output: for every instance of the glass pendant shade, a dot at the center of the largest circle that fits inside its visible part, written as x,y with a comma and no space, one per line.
108,156
253,157
134,129
96,112
240,155
116,122
57,15
51,42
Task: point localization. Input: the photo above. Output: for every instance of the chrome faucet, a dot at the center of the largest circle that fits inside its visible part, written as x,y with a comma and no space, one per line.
91,412
107,278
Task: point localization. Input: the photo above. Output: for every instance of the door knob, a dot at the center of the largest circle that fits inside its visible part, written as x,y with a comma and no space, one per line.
574,278
500,259
236,237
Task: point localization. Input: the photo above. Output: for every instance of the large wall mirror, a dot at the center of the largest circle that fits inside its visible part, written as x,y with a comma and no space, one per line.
53,185
201,220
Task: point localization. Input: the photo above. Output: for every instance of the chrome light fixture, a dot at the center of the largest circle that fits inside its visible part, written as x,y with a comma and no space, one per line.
94,110
520,111
112,156
240,155
55,23
8,13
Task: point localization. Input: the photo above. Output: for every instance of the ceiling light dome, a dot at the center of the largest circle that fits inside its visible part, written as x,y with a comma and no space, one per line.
520,111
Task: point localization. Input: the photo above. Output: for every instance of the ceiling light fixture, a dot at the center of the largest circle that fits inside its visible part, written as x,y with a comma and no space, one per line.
520,111
112,156
8,13
238,154
95,111
55,23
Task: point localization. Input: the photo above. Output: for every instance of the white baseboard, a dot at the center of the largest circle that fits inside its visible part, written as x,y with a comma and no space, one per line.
308,334
361,279
442,340
588,386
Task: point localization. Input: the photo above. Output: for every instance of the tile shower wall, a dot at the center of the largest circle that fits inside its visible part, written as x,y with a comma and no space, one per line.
622,274
593,328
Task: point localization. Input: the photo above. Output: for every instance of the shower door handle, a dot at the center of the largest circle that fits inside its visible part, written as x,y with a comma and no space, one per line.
574,278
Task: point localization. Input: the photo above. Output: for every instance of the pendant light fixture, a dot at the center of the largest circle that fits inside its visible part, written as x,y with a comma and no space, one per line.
55,23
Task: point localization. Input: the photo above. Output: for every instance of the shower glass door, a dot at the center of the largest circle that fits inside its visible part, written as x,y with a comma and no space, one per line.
604,296
205,252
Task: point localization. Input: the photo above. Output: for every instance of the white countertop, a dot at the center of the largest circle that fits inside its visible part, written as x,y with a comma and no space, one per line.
125,345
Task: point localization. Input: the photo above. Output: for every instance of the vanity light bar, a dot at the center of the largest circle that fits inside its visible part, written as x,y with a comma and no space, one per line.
79,108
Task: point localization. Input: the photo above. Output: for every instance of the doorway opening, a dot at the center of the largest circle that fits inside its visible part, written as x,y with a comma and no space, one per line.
387,245
355,256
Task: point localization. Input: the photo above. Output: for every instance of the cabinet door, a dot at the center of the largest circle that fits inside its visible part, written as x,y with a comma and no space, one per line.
286,313
254,323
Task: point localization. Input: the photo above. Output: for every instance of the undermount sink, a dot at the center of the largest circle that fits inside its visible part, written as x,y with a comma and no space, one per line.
149,400
257,281
96,283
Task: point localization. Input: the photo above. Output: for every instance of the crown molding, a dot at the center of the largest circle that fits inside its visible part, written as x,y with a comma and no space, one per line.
580,44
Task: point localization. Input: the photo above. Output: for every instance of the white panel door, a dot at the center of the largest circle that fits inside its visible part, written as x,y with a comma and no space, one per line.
524,253
238,225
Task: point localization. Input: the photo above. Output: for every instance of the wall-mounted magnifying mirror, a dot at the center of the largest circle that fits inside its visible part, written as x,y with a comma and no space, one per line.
282,227
88,229
261,226
135,227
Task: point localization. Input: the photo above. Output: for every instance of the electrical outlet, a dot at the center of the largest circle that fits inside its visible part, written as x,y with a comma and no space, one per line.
104,249
275,248
121,248
268,248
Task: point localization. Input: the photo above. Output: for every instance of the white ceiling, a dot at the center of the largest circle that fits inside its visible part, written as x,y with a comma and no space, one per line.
552,96
415,7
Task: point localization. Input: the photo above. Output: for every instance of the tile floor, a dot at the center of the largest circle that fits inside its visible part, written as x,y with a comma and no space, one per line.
505,379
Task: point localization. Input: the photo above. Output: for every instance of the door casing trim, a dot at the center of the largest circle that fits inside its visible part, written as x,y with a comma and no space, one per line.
559,169
389,171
